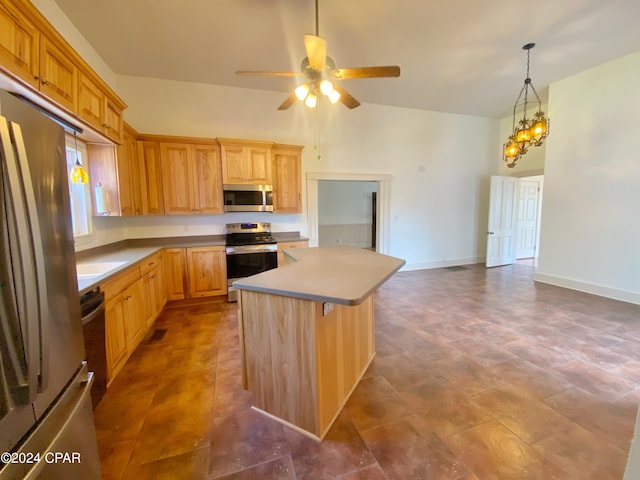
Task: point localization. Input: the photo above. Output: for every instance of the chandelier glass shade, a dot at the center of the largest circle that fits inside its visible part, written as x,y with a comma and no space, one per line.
310,91
78,172
527,132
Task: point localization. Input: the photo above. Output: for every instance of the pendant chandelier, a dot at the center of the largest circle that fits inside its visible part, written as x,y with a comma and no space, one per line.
528,132
78,172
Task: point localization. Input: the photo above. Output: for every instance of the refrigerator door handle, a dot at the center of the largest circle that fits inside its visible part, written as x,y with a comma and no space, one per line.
24,324
40,323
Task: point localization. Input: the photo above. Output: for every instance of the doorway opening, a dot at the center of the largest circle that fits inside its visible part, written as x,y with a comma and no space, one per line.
341,210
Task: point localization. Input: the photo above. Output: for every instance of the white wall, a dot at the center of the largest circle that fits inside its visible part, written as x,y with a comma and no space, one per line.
590,227
440,163
344,202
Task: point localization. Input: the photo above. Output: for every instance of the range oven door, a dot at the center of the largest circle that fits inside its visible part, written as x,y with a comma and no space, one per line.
247,260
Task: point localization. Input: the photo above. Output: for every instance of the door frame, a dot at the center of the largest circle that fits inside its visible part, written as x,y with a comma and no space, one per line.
383,180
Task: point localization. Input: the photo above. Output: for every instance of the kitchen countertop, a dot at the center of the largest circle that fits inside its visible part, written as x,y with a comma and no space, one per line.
130,252
128,257
343,275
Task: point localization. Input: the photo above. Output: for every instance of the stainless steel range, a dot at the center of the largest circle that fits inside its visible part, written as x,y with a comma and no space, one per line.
250,249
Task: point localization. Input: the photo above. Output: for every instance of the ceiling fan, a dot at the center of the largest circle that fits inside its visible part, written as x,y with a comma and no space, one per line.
320,72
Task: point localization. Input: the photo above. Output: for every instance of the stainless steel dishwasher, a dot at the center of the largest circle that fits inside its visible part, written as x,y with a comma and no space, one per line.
92,308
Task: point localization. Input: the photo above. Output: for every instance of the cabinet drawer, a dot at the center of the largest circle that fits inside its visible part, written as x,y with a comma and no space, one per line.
151,262
117,284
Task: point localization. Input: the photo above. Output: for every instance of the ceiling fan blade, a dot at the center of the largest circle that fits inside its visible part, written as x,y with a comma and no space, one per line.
316,48
267,74
346,98
291,99
367,72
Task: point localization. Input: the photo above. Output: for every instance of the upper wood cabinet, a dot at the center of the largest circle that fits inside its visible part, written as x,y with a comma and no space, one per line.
19,44
246,161
287,179
99,109
150,177
118,171
129,184
36,55
192,180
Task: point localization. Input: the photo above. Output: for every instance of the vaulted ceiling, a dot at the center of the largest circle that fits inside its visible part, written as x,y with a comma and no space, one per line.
458,56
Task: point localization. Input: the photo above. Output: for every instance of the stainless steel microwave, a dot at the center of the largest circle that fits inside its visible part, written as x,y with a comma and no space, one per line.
248,198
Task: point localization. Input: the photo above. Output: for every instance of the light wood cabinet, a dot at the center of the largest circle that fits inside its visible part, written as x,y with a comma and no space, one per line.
191,178
118,171
282,246
150,177
207,271
36,55
287,179
136,323
246,161
195,272
19,44
99,109
35,58
115,335
175,273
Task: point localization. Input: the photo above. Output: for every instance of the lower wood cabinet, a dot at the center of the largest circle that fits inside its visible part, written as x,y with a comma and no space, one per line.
134,299
195,272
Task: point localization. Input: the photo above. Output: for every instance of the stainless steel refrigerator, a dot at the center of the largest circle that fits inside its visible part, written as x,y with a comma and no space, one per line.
46,420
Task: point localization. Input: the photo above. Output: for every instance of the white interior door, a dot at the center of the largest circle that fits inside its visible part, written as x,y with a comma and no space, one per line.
503,221
528,205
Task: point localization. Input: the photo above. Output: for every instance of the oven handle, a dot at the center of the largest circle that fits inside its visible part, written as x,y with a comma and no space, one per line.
248,250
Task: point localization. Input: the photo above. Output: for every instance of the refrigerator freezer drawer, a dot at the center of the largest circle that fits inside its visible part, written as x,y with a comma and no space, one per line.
63,445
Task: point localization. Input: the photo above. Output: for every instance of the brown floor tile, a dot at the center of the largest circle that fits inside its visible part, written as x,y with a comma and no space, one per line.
342,451
191,465
462,354
244,440
406,449
492,451
374,402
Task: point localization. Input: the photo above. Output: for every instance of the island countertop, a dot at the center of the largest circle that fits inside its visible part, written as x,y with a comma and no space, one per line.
342,275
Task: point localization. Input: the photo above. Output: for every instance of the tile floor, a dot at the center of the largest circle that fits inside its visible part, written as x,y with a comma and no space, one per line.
479,375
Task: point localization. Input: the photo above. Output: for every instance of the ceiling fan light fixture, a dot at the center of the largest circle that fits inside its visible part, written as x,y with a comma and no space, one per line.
311,100
528,132
302,91
334,96
326,87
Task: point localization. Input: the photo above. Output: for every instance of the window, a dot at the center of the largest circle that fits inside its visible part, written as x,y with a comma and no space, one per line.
79,194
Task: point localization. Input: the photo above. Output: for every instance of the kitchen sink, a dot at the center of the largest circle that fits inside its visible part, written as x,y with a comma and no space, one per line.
89,270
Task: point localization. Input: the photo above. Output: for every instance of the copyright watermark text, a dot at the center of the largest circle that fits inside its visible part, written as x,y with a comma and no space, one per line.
48,457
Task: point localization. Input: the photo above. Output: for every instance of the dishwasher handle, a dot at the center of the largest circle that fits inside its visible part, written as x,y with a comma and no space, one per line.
91,305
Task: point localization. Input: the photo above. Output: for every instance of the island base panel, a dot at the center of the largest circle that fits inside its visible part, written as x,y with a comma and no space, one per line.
301,361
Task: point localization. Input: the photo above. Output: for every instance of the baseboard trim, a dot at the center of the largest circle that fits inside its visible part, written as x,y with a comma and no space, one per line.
442,263
600,290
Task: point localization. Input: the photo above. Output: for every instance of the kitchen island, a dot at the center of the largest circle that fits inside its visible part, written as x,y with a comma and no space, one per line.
307,332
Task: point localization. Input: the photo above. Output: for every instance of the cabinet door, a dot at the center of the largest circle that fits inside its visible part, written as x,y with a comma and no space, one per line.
150,178
208,179
112,120
287,188
19,39
148,299
90,102
177,178
259,161
155,293
104,169
235,164
175,273
134,314
129,176
207,271
58,75
116,335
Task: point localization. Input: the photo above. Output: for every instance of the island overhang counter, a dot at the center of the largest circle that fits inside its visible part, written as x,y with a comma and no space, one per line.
307,332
